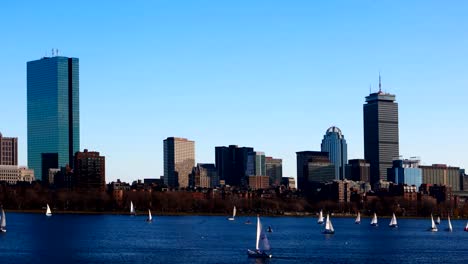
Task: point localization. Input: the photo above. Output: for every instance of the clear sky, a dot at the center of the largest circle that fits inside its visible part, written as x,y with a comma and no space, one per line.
273,75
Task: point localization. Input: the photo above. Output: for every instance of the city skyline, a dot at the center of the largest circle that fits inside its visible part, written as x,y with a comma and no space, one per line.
288,81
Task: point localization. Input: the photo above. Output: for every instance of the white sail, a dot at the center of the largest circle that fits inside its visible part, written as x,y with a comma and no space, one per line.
262,240
328,224
466,227
438,220
48,212
374,219
393,222
234,212
358,218
132,209
449,224
3,221
150,218
320,218
433,225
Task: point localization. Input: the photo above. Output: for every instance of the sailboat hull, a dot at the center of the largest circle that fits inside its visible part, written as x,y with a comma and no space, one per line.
328,232
357,222
374,224
393,226
433,229
231,218
257,254
466,229
48,214
320,222
3,230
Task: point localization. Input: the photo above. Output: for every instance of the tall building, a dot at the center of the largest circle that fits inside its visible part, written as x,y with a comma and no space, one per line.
256,164
381,143
274,170
53,111
406,171
358,170
335,144
320,170
90,171
8,150
441,174
205,175
179,159
302,159
231,163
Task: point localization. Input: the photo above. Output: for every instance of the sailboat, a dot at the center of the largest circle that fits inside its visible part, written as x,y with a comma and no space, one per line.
320,218
262,245
437,222
393,222
358,218
132,209
374,220
150,218
433,225
48,212
233,214
466,227
3,222
328,227
449,224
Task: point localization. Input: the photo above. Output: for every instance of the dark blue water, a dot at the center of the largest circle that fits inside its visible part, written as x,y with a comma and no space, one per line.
35,238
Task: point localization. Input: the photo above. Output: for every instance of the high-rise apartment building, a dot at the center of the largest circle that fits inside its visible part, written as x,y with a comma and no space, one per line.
231,163
90,171
53,111
179,159
8,150
335,144
381,142
274,170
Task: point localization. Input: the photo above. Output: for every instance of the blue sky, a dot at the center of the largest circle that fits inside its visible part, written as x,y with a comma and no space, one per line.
273,75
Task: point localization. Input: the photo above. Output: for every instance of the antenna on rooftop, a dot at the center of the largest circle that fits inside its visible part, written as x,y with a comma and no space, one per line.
380,83
52,52
56,52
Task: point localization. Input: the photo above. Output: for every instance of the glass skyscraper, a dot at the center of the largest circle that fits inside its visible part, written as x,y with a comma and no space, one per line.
335,144
53,112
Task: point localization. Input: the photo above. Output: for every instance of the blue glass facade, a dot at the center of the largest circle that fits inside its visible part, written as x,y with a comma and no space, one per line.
53,111
401,174
335,144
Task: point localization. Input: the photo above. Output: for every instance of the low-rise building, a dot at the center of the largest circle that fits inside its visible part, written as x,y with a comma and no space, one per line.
13,174
259,182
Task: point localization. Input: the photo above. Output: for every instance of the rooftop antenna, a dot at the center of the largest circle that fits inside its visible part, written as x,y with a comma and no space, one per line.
380,84
56,52
52,52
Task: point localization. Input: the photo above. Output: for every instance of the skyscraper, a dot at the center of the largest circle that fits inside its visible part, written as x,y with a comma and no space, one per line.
303,158
335,144
256,164
179,159
53,111
8,150
381,143
274,170
231,163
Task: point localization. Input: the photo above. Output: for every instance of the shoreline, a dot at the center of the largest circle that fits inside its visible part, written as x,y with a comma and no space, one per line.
156,213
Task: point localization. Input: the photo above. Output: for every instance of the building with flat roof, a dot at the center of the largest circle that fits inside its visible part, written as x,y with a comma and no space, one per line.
358,170
90,171
231,163
302,159
259,182
406,171
441,174
205,175
256,163
179,160
381,137
53,111
8,150
13,174
274,170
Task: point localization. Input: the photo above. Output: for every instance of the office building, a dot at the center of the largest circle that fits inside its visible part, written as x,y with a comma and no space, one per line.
179,160
13,174
53,111
8,150
274,170
463,180
441,174
256,164
205,175
320,170
358,170
231,163
381,141
90,171
406,171
335,144
302,159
